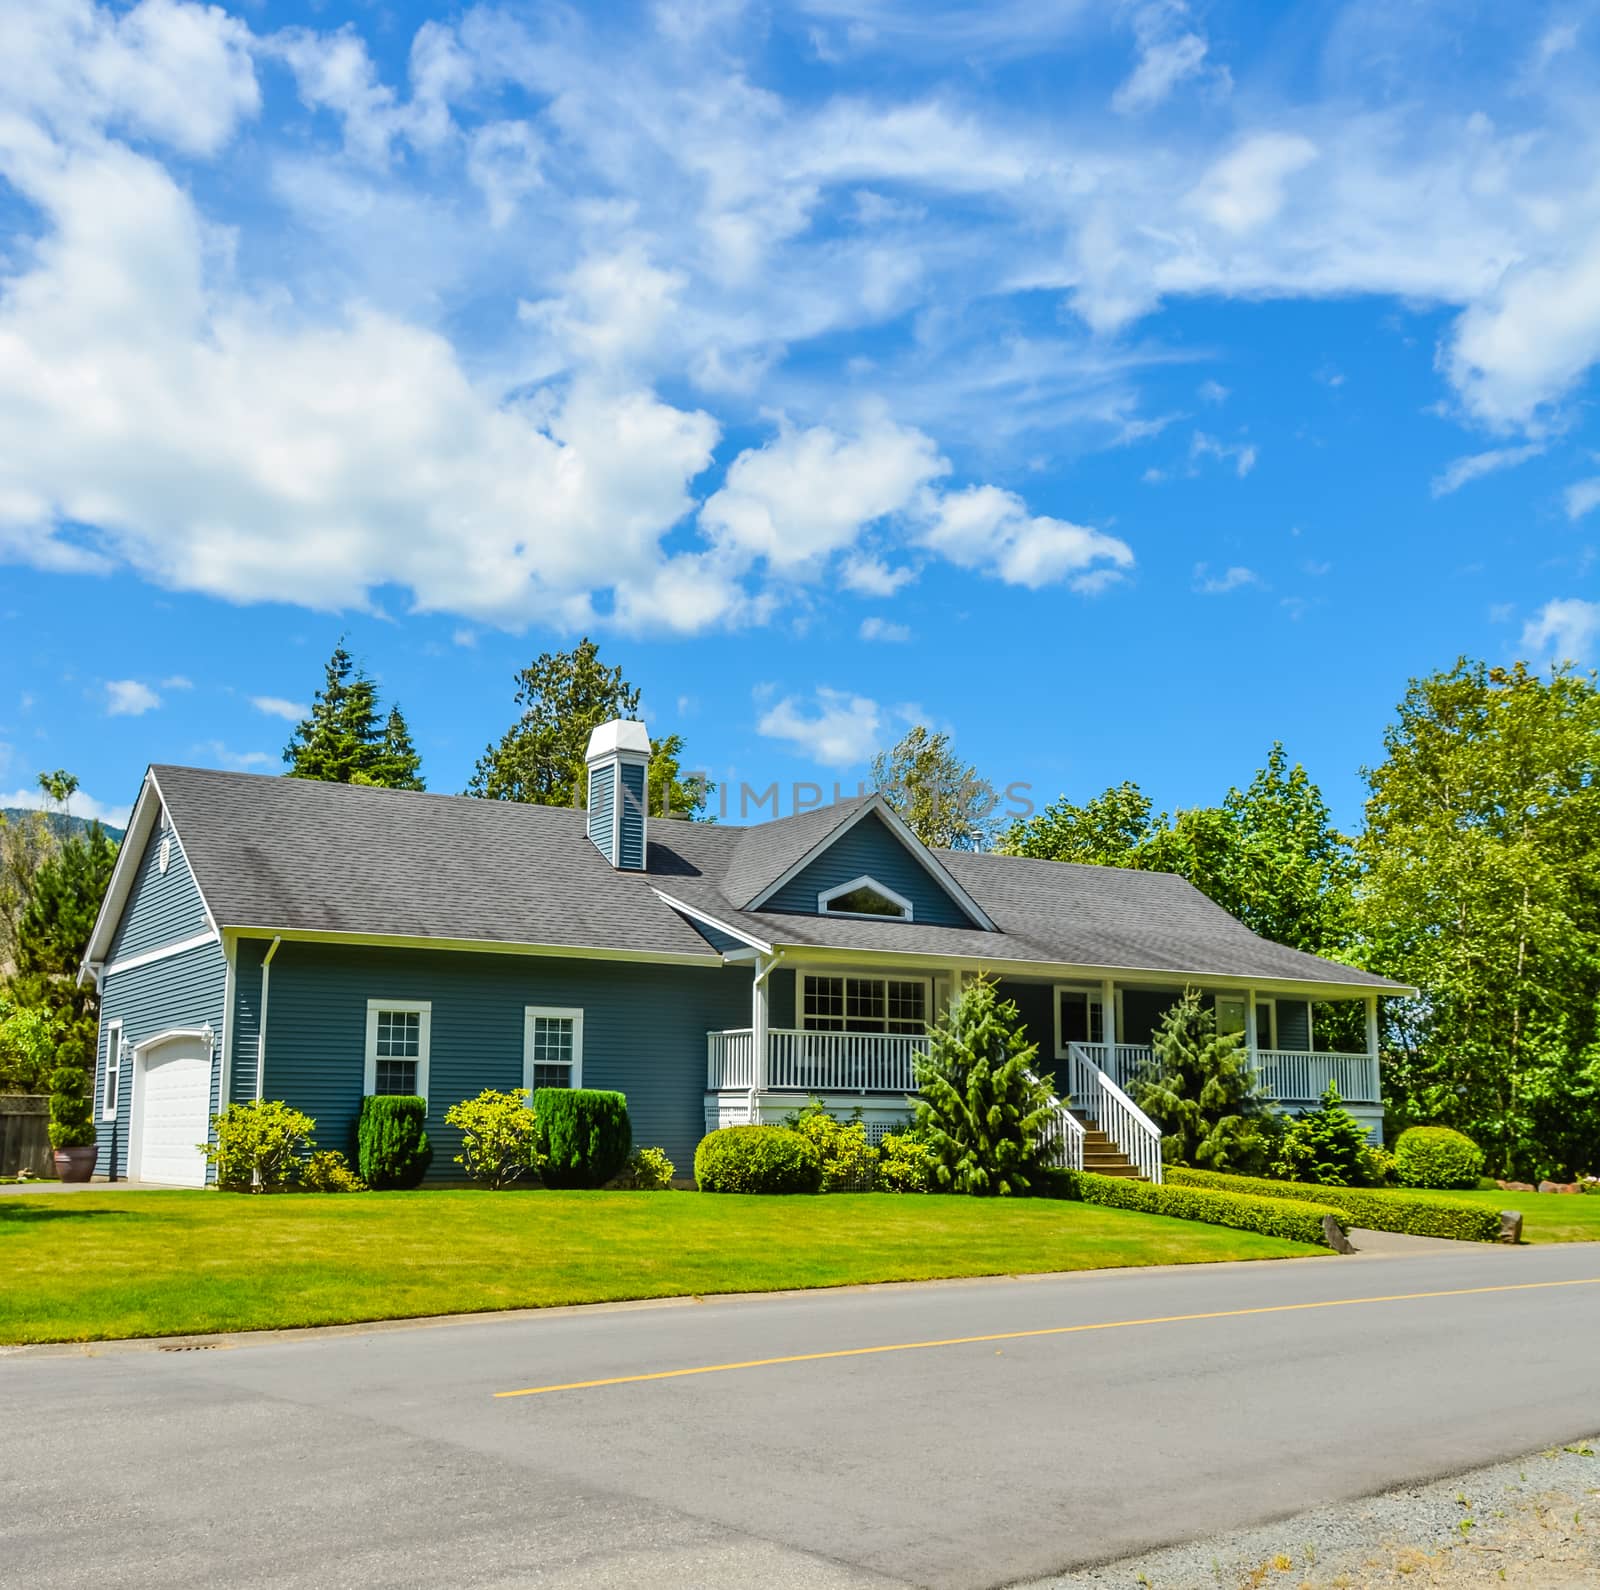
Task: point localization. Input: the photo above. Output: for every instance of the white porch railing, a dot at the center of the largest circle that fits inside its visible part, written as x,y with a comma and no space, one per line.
1295,1077
730,1060
843,1062
1062,1137
1301,1076
1096,1094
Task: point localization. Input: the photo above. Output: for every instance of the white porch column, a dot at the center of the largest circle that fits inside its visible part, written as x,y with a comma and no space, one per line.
1108,1022
1250,1023
1372,1044
758,1035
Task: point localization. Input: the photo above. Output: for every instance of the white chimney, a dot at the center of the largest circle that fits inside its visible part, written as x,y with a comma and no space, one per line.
619,769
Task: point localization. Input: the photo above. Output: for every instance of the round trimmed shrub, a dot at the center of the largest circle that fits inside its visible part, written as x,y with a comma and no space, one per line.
1437,1156
392,1148
757,1159
584,1135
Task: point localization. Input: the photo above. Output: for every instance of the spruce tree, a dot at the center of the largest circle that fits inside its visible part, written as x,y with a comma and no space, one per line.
1202,1092
343,741
982,1110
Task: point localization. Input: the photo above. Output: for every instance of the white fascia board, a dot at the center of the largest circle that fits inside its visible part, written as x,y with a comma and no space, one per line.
930,863
194,876
698,915
1063,971
160,953
137,835
411,941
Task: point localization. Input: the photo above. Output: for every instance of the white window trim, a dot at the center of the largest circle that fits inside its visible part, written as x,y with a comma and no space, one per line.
572,1013
865,881
1094,995
863,974
422,1008
108,1111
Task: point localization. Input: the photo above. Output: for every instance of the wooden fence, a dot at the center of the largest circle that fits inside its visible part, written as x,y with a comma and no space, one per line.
24,1134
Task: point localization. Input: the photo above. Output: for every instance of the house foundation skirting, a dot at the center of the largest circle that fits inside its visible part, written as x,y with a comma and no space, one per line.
879,1113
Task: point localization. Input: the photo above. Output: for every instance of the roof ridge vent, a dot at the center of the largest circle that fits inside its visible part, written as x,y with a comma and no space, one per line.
618,758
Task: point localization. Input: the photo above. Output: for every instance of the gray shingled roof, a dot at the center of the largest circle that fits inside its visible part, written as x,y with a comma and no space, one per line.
290,854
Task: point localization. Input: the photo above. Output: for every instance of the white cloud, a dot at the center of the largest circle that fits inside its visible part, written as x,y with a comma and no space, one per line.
872,576
1582,497
875,628
177,682
81,805
1170,52
1242,455
1235,578
128,698
1563,630
166,70
1247,187
836,729
1213,392
1476,465
279,707
240,761
809,493
986,528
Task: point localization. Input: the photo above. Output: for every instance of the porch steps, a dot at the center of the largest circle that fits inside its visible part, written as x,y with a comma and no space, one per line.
1100,1154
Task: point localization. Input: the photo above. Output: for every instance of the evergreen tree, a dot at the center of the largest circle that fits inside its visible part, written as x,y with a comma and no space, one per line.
564,696
982,1111
343,741
1203,1094
1327,1145
942,799
53,931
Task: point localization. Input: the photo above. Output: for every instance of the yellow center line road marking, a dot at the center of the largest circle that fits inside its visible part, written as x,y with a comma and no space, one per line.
1049,1330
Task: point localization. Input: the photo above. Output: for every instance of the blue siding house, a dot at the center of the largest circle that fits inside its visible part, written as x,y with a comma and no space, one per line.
279,938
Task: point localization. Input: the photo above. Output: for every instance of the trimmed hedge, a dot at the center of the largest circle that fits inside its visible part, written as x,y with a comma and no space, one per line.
757,1159
392,1148
1291,1219
1437,1156
584,1134
1361,1206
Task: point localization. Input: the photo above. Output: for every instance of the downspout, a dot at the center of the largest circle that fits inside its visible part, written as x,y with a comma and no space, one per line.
758,1033
261,1036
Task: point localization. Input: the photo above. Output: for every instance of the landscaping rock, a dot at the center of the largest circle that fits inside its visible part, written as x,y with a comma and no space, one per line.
1511,1225
1559,1187
1516,1186
1333,1235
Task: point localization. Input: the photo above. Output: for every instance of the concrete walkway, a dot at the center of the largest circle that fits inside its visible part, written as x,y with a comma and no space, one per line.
32,1187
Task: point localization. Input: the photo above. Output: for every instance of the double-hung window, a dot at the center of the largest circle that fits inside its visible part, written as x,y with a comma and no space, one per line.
113,1085
398,1034
864,1004
552,1047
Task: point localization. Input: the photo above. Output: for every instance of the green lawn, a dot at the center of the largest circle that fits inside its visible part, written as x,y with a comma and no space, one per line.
93,1265
1546,1217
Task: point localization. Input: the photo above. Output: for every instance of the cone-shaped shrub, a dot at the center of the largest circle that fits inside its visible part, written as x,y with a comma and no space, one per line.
71,1105
982,1111
584,1134
392,1148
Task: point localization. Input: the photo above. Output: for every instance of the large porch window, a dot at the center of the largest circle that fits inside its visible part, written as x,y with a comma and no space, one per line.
864,1004
1080,1018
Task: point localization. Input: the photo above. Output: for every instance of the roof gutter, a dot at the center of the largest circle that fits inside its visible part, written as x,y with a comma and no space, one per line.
261,1037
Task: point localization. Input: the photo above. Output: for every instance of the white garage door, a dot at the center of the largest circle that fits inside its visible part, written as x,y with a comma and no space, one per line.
173,1101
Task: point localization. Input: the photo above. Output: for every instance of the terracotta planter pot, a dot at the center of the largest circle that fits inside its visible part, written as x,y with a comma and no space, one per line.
75,1164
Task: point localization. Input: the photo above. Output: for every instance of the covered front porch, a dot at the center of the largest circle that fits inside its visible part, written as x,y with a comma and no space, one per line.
852,1035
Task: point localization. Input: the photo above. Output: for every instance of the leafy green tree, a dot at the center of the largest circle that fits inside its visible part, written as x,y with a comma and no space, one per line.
564,697
343,741
982,1111
29,1035
71,1102
1201,1091
1269,854
1481,887
943,800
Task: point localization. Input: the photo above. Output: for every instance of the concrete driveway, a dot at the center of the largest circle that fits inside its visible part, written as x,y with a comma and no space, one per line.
950,1435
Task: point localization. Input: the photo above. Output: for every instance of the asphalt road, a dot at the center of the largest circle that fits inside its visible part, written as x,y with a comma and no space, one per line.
1094,1416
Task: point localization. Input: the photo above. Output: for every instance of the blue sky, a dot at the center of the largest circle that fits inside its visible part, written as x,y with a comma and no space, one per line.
1120,387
